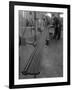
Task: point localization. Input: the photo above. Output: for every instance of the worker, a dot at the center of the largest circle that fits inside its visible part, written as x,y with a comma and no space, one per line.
57,27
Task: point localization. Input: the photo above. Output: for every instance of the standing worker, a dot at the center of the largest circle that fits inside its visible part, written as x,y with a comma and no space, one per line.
46,24
57,26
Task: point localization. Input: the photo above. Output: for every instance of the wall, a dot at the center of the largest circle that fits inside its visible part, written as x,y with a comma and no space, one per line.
4,43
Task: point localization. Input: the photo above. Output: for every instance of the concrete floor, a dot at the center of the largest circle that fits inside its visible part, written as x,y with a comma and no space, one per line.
51,60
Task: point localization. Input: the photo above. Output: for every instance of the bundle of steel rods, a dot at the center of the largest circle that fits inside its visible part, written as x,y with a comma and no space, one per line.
36,53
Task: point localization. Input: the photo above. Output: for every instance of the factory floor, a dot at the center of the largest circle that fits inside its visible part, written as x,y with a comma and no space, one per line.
51,61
